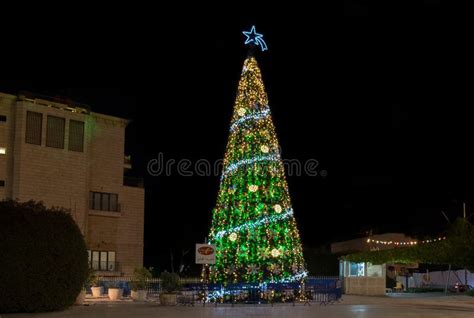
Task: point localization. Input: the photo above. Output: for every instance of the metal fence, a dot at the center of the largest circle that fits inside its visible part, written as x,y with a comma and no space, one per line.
322,290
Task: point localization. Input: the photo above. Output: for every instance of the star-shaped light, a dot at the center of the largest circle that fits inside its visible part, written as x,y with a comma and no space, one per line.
255,38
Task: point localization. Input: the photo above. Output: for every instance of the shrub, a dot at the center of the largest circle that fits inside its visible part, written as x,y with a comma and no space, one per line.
170,282
141,275
93,280
43,263
470,293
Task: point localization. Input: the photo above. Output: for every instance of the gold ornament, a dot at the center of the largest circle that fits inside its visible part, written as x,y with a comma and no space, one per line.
233,237
241,111
277,208
265,149
253,188
275,252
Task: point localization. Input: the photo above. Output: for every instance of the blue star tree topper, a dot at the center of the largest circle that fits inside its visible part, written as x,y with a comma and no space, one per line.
255,38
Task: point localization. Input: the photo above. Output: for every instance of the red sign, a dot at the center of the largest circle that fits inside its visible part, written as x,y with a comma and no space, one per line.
205,254
205,250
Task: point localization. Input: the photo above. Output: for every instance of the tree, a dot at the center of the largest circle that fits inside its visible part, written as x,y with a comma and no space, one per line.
43,263
253,226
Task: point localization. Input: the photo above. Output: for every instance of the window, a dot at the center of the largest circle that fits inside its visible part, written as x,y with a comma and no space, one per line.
3,118
55,132
34,124
3,151
357,269
104,201
102,260
2,183
374,270
76,135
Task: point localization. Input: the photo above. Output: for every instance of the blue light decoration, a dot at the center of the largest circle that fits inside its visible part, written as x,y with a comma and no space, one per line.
218,294
255,38
254,224
236,165
255,116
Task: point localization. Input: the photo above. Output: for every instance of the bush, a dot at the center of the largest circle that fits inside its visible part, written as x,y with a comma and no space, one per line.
43,263
141,275
470,293
170,282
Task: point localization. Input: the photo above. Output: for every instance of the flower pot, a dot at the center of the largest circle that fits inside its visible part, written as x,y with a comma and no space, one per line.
81,297
138,295
168,299
96,291
115,293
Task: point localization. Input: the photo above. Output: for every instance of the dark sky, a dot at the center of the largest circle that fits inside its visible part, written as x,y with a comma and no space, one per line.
362,93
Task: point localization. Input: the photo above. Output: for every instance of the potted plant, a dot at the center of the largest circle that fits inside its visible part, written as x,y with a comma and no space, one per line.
94,281
115,292
170,285
82,295
139,283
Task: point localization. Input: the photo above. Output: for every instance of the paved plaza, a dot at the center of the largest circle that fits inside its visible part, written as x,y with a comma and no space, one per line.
426,306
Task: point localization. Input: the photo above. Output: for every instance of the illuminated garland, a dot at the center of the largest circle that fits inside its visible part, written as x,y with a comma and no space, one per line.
295,278
251,225
236,165
254,116
404,243
215,295
252,247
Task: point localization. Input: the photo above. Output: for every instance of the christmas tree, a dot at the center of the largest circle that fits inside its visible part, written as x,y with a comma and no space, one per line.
253,226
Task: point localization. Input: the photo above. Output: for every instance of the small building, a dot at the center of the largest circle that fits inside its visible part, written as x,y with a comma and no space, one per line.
61,153
366,278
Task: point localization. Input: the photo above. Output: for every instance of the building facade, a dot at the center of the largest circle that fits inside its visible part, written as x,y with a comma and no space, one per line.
366,278
64,155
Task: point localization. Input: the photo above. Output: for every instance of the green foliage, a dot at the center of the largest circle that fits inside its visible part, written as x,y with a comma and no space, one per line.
470,293
456,250
425,290
43,263
93,279
253,226
141,275
170,282
321,263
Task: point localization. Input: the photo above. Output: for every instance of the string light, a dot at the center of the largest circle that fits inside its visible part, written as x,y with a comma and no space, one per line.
404,243
253,204
218,294
254,224
234,166
254,116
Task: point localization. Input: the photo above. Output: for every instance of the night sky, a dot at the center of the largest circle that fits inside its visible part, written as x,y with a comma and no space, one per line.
362,94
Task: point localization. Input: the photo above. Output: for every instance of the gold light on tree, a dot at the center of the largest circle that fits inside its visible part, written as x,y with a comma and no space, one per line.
253,226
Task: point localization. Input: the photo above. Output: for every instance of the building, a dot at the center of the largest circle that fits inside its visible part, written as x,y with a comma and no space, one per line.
367,278
63,154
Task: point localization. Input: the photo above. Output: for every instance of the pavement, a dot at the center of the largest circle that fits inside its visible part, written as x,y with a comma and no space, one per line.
418,306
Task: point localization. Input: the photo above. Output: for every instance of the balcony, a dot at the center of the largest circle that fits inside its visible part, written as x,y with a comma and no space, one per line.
127,162
133,182
105,268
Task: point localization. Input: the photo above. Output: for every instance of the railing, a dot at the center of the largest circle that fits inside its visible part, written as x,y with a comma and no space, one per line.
116,209
133,182
105,266
322,290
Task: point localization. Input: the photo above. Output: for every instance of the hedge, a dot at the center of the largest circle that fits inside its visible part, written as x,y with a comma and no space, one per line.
43,263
